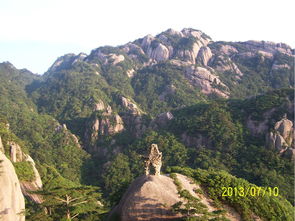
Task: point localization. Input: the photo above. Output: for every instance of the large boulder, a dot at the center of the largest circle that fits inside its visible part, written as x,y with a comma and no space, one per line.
282,138
159,53
285,128
148,196
151,197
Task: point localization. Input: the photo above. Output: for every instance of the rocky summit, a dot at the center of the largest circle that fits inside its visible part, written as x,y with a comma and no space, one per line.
153,197
213,67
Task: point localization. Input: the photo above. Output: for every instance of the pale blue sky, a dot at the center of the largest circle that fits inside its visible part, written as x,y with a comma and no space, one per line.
33,33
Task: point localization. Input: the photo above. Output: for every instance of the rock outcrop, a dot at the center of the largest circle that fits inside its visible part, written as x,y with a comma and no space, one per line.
204,56
131,107
148,198
282,137
134,123
1,146
161,48
133,117
130,73
208,82
99,106
224,64
17,155
152,197
154,160
102,123
159,53
66,61
268,46
228,50
161,120
191,48
115,59
28,187
109,125
12,202
70,138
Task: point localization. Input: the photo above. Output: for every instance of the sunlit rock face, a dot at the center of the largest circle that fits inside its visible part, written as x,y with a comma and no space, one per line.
282,137
12,202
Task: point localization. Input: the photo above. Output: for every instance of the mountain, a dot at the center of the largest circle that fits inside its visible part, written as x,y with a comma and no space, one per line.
167,71
215,106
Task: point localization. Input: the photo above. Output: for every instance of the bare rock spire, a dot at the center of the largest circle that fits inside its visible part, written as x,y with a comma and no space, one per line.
154,160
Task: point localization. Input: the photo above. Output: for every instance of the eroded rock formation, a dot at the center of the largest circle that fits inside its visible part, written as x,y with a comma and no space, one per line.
206,80
282,137
12,202
154,160
17,155
103,122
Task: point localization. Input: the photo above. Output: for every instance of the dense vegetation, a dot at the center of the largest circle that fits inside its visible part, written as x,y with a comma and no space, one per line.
163,87
266,206
58,158
24,171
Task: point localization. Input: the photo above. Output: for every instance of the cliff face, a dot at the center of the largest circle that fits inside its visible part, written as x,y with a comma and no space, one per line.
34,185
12,202
17,155
102,123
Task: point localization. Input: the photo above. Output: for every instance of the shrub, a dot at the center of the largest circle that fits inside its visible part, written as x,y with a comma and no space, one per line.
24,171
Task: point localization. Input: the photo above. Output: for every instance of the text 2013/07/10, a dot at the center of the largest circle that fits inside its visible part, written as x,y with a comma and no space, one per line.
249,191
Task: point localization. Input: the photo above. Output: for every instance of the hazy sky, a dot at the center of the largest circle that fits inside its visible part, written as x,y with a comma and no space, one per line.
33,33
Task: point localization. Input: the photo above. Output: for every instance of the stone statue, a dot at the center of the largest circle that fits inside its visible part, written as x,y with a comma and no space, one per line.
154,160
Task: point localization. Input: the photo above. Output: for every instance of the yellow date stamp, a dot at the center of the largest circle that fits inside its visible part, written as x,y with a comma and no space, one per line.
249,191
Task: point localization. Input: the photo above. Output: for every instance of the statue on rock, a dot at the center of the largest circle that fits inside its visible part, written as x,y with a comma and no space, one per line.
154,160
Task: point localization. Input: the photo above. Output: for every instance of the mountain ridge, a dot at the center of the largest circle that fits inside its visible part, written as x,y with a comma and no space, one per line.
189,48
